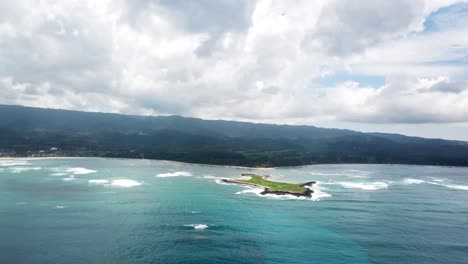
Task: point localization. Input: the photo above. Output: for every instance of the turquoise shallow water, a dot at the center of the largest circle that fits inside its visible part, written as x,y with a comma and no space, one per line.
141,211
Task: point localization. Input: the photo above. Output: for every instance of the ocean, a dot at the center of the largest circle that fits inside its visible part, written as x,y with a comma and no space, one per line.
94,210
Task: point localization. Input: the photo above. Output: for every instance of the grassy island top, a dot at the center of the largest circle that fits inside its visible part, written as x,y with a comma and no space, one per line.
271,185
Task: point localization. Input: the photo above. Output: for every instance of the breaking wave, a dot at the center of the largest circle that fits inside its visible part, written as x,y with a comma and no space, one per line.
368,186
258,191
174,174
456,186
79,171
10,162
21,169
324,174
319,192
59,174
437,182
316,196
451,186
198,226
98,181
211,177
413,181
71,178
126,183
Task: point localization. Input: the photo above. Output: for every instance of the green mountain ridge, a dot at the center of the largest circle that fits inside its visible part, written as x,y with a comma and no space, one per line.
28,131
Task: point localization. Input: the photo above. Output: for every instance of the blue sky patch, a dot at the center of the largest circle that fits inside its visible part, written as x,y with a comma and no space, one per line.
450,16
341,77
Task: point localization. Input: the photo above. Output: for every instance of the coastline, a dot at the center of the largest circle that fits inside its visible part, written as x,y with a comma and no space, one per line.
224,165
44,158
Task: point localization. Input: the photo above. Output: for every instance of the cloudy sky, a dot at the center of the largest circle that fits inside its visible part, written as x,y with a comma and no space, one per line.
370,65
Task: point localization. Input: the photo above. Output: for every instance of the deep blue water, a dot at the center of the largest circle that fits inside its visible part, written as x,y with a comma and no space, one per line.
141,211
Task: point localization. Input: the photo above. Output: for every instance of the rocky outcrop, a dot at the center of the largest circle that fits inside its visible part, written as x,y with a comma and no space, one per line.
307,193
307,183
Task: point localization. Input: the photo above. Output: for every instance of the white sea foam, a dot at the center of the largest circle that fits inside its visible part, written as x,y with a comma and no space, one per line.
219,181
360,171
22,169
98,181
211,177
216,179
353,175
451,186
438,182
437,179
79,171
59,207
348,173
198,226
316,196
284,197
368,186
125,183
265,168
324,174
319,192
71,178
59,174
255,191
456,186
413,181
13,162
174,174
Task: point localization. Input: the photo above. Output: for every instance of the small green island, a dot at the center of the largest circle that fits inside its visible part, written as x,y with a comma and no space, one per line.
273,187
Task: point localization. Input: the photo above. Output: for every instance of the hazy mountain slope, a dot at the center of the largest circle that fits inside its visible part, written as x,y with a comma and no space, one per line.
26,131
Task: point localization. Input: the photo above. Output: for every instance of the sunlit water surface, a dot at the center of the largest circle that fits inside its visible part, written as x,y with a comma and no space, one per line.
140,211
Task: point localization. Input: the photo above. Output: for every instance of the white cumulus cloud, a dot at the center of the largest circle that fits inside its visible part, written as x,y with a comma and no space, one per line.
243,60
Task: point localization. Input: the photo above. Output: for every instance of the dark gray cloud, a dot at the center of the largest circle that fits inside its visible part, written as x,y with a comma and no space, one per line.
446,86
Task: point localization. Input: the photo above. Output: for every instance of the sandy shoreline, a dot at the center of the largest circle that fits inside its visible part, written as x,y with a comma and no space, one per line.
39,158
172,161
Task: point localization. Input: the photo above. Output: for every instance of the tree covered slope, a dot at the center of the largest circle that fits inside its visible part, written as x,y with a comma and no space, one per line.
27,131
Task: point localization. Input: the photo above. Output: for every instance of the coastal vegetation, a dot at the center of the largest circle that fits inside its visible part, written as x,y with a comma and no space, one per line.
273,187
26,131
